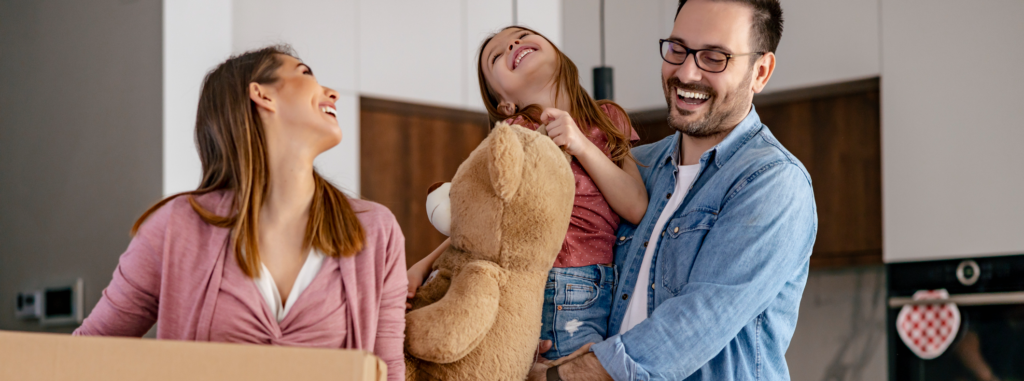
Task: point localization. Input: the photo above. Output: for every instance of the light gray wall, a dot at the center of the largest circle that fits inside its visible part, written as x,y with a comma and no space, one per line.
80,147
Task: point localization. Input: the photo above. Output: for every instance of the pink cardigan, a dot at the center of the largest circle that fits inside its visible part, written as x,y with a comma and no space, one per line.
172,271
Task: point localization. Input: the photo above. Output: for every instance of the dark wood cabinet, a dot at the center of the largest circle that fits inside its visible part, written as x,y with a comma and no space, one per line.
404,148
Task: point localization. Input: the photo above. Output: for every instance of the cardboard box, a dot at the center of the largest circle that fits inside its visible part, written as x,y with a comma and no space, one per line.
44,356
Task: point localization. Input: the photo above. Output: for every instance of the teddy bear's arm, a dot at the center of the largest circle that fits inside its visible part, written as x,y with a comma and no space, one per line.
446,331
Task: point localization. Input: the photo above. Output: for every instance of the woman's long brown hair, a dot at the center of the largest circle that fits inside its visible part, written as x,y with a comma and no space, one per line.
233,149
584,109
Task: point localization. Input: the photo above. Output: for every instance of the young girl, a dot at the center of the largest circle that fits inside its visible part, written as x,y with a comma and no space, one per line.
526,80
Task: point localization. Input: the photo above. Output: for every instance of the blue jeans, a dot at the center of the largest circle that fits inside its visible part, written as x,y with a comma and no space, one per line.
577,301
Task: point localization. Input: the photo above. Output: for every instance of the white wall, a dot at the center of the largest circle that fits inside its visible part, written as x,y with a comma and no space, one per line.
425,52
196,37
826,41
326,40
544,16
632,30
415,51
952,161
483,18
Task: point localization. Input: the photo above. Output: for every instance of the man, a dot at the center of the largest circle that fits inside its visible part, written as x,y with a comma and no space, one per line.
711,278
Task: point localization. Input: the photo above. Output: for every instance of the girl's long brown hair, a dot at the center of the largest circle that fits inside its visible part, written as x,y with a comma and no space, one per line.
233,150
584,109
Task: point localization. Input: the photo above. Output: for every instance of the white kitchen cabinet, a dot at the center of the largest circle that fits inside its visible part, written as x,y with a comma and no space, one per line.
952,127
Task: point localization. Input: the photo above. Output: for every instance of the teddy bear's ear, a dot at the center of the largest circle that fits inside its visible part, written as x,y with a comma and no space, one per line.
506,161
434,187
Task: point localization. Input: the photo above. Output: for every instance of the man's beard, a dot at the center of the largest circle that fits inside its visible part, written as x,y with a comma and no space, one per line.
719,110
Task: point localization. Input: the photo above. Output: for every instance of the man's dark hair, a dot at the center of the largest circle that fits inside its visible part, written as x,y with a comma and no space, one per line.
766,28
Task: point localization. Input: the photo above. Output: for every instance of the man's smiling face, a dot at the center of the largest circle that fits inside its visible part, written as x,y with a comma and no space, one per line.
703,104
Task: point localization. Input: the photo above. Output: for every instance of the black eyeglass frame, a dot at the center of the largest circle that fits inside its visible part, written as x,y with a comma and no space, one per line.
728,57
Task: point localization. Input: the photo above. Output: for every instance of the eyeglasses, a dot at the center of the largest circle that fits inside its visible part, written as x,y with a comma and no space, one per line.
711,61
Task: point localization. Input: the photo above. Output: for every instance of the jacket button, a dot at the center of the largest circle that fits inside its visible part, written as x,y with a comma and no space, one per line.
676,230
662,233
669,196
645,243
652,286
559,308
623,238
625,296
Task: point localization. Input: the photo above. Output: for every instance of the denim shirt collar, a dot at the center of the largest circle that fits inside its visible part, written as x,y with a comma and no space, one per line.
748,127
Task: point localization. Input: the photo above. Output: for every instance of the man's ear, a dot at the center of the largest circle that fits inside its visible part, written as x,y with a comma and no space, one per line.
763,68
259,94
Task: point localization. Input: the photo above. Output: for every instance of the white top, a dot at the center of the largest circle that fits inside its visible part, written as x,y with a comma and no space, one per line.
637,310
268,288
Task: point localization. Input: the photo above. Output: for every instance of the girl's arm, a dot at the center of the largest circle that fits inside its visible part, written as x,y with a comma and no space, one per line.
419,271
621,186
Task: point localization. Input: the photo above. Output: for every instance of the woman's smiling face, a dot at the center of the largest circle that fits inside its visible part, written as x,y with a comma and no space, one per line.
306,109
517,61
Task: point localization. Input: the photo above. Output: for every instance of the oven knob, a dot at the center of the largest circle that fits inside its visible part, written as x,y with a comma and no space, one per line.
968,272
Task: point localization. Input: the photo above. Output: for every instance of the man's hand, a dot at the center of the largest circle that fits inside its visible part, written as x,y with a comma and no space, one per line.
545,345
580,365
539,372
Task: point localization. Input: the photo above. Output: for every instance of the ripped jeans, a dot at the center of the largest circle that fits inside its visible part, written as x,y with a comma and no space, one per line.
577,301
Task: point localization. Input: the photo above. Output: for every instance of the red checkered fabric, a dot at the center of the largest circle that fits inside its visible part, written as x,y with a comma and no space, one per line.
928,329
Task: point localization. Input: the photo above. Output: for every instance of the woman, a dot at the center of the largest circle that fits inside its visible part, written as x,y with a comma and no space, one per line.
213,264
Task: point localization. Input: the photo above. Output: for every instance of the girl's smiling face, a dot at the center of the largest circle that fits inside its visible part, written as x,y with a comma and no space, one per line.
517,62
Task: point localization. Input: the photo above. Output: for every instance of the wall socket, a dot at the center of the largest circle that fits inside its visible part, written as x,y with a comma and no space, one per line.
30,305
57,305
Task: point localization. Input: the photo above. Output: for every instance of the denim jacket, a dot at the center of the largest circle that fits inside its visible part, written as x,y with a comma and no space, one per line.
730,265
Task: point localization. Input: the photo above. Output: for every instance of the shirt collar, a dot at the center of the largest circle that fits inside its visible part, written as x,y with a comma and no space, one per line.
724,150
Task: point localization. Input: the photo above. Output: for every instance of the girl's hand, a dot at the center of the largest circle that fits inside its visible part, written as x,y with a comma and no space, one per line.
416,275
564,132
420,270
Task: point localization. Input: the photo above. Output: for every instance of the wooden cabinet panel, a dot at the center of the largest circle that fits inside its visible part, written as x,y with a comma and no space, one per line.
835,131
404,148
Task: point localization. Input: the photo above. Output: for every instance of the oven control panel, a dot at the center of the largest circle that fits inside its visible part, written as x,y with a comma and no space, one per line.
988,274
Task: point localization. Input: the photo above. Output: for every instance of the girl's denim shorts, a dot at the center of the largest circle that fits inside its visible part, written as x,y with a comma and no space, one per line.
577,302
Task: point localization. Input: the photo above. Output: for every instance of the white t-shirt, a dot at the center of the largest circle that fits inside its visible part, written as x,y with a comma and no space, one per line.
637,310
268,288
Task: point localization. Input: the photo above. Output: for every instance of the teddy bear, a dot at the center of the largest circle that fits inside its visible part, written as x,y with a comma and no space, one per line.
478,316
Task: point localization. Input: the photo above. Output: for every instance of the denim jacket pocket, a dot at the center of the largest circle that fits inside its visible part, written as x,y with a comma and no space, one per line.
679,246
698,219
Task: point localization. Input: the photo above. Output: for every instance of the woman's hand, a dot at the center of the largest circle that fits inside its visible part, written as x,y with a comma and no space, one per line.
564,131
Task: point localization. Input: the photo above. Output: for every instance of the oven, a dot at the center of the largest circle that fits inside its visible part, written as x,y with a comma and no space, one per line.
988,342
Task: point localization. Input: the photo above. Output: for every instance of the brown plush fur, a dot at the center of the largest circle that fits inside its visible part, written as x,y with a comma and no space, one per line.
480,317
